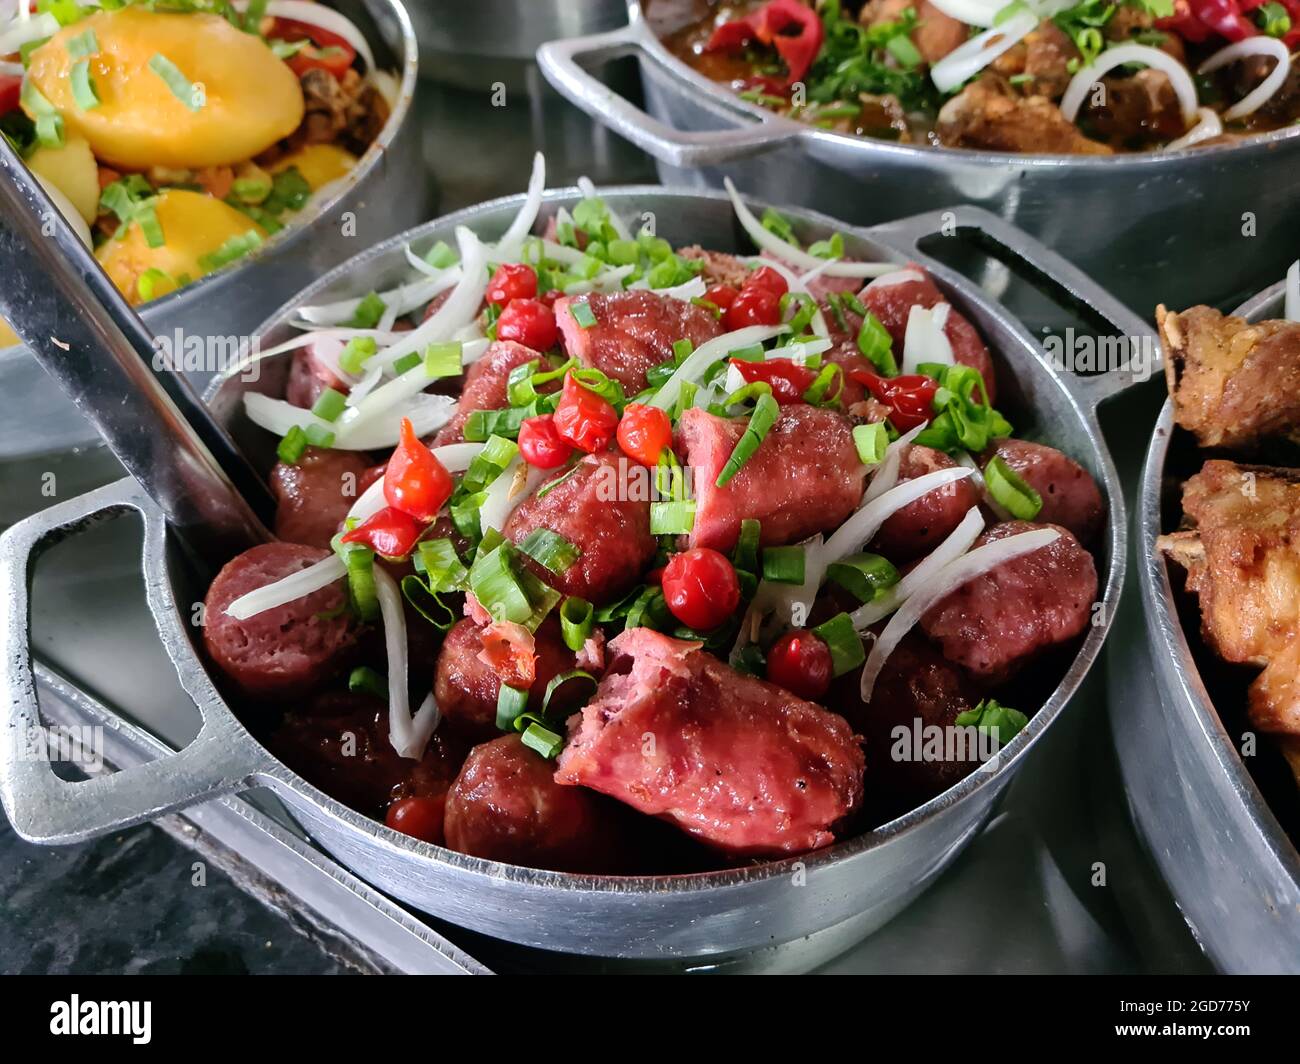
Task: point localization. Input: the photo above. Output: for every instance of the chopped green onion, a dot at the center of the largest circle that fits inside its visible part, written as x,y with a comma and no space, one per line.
427,603
784,565
991,716
360,562
844,643
819,392
83,45
511,703
482,424
862,575
441,565
355,352
766,412
670,478
407,363
368,312
828,249
902,49
648,609
444,360
682,350
543,741
1010,491
177,82
597,382
672,518
291,447
803,316
495,584
440,256
582,314
83,86
623,252
235,247
489,463
146,285
329,405
871,441
779,225
745,556
49,123
746,392
563,678
464,515
251,190
550,549
364,680
877,346
147,219
577,619
319,436
750,661
752,353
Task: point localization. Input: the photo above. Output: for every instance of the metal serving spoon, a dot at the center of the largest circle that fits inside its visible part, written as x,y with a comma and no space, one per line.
67,311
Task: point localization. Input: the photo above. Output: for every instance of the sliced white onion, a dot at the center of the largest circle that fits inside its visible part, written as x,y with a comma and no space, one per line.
606,281
1208,125
588,190
357,420
952,576
399,706
692,289
402,299
955,544
12,70
971,12
369,381
563,254
1291,305
514,484
288,589
769,241
511,245
972,56
314,335
799,284
419,264
327,19
925,339
26,30
1121,55
888,280
800,353
977,475
428,413
887,475
699,360
1263,92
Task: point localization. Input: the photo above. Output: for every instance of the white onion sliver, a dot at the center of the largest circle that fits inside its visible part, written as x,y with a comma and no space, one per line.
769,241
399,707
511,245
925,339
887,475
977,475
896,277
1121,55
514,483
287,589
428,413
692,289
954,545
382,401
24,31
1291,306
799,284
1263,92
952,576
1208,125
857,531
403,299
694,365
12,70
972,56
326,18
971,12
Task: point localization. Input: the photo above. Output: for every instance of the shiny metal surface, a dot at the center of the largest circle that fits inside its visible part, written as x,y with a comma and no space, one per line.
1228,862
378,196
855,885
1138,223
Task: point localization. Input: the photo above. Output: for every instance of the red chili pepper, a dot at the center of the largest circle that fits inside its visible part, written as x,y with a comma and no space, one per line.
788,379
583,418
550,297
908,398
793,29
644,432
801,663
11,89
389,532
769,280
541,445
421,818
721,295
512,280
310,57
701,588
754,306
529,322
415,482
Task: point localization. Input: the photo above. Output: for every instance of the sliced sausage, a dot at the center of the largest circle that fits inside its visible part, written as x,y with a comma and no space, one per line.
313,495
311,371
998,622
602,507
1070,495
739,763
466,687
487,384
287,651
506,806
920,526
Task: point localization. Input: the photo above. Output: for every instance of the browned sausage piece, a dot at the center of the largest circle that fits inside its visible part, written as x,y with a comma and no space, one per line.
1070,495
287,651
466,688
920,526
506,806
313,496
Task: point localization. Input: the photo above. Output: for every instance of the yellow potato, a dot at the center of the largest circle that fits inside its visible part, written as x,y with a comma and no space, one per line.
8,338
73,171
246,98
193,225
319,164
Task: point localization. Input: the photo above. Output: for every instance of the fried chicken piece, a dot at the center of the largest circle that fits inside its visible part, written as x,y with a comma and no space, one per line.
1232,383
983,115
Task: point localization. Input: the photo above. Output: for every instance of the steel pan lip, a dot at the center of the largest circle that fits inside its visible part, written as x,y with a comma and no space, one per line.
280,777
1166,635
722,98
363,174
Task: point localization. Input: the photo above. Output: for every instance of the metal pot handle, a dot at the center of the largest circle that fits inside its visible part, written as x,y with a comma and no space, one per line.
44,808
559,62
1063,281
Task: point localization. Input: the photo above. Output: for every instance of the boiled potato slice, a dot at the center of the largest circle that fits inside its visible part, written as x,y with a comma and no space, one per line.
319,164
194,225
245,98
73,171
8,338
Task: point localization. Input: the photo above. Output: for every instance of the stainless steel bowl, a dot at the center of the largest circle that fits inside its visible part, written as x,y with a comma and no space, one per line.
822,901
1140,223
1232,868
36,417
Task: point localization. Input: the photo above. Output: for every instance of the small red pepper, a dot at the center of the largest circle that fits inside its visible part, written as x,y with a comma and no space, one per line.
529,322
909,398
793,29
512,280
541,445
768,280
336,61
721,295
801,663
754,306
583,418
644,432
415,482
421,818
788,379
389,532
11,89
701,588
